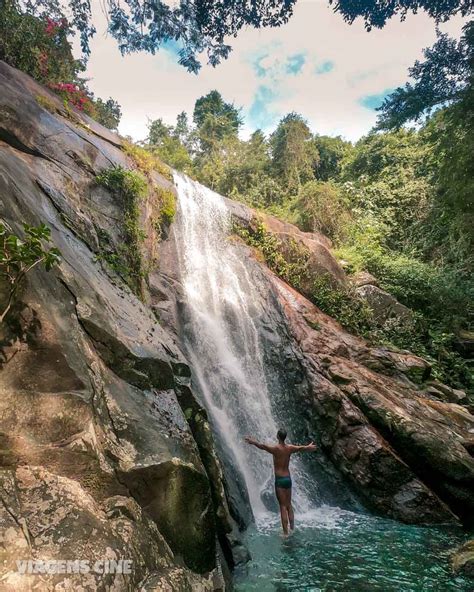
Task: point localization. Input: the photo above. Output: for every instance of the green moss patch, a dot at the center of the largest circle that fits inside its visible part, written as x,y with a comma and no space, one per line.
130,187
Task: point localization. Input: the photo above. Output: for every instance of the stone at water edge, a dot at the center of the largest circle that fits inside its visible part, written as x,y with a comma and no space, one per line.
462,560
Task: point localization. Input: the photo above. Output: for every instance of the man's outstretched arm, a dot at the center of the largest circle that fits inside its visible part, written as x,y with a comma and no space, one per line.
253,442
306,448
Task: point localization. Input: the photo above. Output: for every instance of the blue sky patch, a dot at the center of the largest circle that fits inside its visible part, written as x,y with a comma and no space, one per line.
295,63
260,71
259,114
325,67
375,101
172,46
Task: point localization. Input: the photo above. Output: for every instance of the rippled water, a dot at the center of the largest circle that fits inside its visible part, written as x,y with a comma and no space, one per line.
338,551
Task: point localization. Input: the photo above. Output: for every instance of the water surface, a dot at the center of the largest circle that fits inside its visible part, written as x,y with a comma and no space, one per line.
333,550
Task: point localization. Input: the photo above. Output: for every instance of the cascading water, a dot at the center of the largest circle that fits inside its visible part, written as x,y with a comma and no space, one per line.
224,306
227,332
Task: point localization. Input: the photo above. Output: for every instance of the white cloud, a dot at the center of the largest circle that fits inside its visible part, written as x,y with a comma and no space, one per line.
363,64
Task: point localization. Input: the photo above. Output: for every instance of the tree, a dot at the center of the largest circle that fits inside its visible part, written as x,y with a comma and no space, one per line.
215,119
158,131
448,67
388,178
18,257
442,78
108,113
376,14
164,140
331,153
181,129
294,154
193,26
322,207
37,46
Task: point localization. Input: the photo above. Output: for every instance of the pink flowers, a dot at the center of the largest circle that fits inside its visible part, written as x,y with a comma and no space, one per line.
73,95
52,26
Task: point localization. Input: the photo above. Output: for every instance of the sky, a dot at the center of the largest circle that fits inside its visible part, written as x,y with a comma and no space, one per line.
333,73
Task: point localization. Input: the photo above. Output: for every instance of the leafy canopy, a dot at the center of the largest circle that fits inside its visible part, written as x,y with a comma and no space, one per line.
442,78
376,14
192,26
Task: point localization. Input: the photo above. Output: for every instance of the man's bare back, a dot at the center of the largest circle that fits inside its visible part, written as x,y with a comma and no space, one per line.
281,453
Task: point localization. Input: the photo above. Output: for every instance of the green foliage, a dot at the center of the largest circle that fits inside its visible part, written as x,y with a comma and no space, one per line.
343,304
130,188
146,160
166,208
442,299
443,77
332,152
107,113
388,177
193,29
215,119
294,154
18,256
165,142
46,103
376,14
37,46
322,207
289,263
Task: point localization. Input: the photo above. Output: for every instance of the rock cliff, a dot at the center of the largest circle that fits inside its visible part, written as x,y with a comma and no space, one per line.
98,459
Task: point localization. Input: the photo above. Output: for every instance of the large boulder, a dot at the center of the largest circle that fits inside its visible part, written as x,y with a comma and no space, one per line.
462,559
383,304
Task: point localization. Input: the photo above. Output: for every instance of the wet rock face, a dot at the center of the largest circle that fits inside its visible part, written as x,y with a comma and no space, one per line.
97,459
406,452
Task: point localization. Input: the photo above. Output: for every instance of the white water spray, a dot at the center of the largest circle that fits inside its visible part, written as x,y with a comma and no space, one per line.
222,337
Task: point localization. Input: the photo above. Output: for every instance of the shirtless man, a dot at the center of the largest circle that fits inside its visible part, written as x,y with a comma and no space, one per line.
281,453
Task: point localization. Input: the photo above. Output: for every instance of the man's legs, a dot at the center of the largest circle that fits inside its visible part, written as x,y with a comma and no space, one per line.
291,515
281,497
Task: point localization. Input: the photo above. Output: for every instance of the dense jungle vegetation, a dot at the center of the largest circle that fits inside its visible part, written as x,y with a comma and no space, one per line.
398,203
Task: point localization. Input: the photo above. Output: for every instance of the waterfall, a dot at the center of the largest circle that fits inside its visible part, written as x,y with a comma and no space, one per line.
222,335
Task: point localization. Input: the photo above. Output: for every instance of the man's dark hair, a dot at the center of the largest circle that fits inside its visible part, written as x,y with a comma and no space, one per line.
281,435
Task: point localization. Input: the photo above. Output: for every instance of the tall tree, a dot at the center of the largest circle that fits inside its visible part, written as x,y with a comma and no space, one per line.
181,129
213,104
294,154
215,120
331,153
158,131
